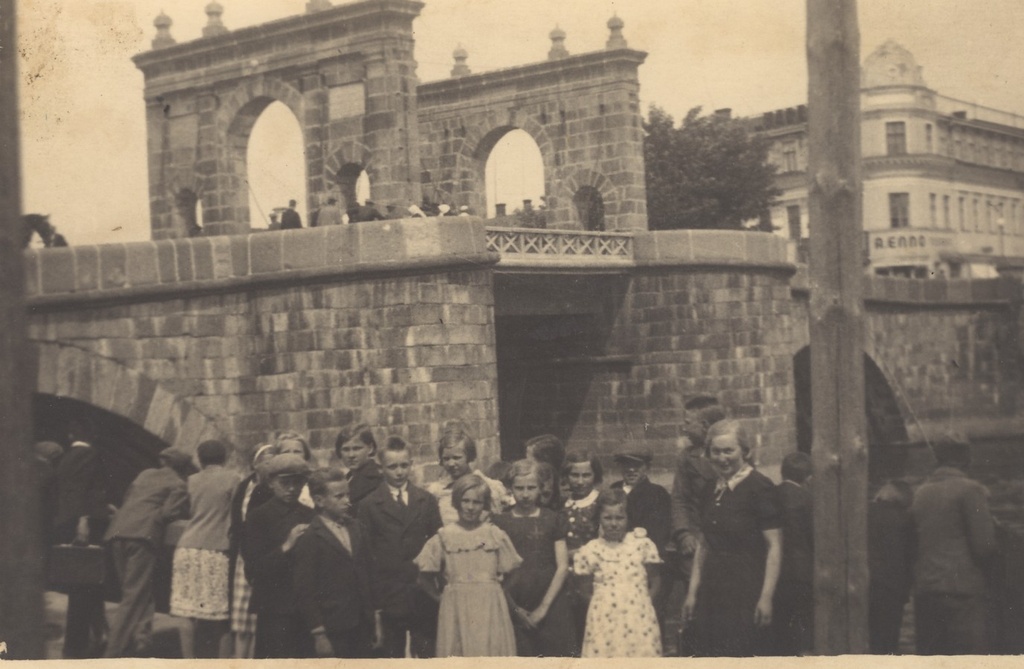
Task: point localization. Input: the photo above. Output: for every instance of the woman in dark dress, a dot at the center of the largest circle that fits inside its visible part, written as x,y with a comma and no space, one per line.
541,616
736,566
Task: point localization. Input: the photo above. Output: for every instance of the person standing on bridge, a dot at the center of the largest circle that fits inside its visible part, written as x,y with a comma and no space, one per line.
290,219
956,537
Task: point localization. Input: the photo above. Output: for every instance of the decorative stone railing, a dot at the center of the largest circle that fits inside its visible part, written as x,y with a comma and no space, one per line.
568,248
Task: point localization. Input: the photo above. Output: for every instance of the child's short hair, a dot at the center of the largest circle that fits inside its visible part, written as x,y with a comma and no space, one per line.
467,483
395,444
547,448
501,471
453,434
609,497
796,467
211,452
360,431
698,402
528,467
580,455
290,435
319,480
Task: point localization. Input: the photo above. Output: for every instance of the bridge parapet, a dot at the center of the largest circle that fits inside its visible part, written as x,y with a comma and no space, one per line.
175,266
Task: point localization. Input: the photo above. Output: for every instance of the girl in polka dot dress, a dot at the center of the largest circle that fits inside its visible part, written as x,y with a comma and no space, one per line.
621,620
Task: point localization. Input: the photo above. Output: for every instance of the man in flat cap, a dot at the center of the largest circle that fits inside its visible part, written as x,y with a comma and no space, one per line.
271,531
648,505
155,498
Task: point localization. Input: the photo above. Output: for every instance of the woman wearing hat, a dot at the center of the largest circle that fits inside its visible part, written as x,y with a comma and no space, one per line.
270,533
737,563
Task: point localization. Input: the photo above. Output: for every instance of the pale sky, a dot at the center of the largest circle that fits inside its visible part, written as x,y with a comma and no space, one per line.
84,135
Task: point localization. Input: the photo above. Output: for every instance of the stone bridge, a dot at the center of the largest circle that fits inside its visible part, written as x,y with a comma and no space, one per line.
596,337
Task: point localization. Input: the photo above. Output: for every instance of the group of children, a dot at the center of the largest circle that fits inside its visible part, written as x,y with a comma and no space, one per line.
470,566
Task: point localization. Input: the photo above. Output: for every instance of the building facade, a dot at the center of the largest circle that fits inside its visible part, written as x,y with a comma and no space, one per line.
943,179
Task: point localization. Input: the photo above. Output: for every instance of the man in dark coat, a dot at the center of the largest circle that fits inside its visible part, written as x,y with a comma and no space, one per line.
398,519
270,533
290,219
155,498
82,518
793,617
956,540
333,573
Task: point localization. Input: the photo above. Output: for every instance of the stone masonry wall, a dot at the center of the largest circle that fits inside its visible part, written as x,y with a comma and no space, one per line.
388,323
949,350
704,313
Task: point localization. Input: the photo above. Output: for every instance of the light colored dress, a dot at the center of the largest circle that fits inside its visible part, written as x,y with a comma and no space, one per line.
473,620
621,620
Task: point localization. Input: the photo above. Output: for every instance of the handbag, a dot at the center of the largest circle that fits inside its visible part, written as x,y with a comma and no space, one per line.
77,565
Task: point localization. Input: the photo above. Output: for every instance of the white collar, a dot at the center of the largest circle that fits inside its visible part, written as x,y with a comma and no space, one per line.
395,491
735,479
80,444
582,503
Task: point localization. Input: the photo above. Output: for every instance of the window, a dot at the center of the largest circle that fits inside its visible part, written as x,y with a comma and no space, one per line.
945,212
1014,221
789,157
962,213
899,210
928,137
896,138
988,214
933,210
974,215
793,219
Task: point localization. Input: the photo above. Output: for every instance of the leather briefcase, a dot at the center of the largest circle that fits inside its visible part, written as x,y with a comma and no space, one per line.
77,565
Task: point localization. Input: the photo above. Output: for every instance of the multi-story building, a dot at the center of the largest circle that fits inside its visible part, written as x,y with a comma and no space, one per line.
943,178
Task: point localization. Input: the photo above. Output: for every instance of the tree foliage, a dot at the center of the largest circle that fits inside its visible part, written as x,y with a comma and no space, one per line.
710,172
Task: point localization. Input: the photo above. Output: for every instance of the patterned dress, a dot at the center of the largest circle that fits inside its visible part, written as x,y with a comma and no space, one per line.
621,621
474,619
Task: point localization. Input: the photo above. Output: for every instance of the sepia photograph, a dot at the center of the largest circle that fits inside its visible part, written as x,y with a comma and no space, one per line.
385,329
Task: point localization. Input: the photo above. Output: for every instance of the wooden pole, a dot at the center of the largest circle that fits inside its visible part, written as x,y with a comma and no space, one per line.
839,448
21,584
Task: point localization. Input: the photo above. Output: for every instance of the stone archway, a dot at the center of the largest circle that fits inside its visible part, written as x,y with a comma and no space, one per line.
886,429
71,372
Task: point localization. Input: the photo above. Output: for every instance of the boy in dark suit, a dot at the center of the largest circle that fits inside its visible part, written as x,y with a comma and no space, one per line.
793,618
356,448
333,574
398,518
270,533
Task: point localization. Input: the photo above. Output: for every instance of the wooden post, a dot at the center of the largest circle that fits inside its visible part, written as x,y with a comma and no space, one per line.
839,448
21,584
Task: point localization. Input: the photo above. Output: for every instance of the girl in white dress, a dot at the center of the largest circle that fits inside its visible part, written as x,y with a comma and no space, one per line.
621,620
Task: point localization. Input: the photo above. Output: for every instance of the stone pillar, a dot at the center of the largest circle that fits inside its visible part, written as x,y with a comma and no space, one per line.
391,126
163,32
616,40
214,25
558,49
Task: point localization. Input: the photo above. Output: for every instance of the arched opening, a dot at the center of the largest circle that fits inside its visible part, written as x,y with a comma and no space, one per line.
124,448
269,157
886,431
354,182
188,212
514,176
589,208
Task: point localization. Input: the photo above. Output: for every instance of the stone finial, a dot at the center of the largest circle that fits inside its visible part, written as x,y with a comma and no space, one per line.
558,49
214,26
317,5
460,55
163,31
616,40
